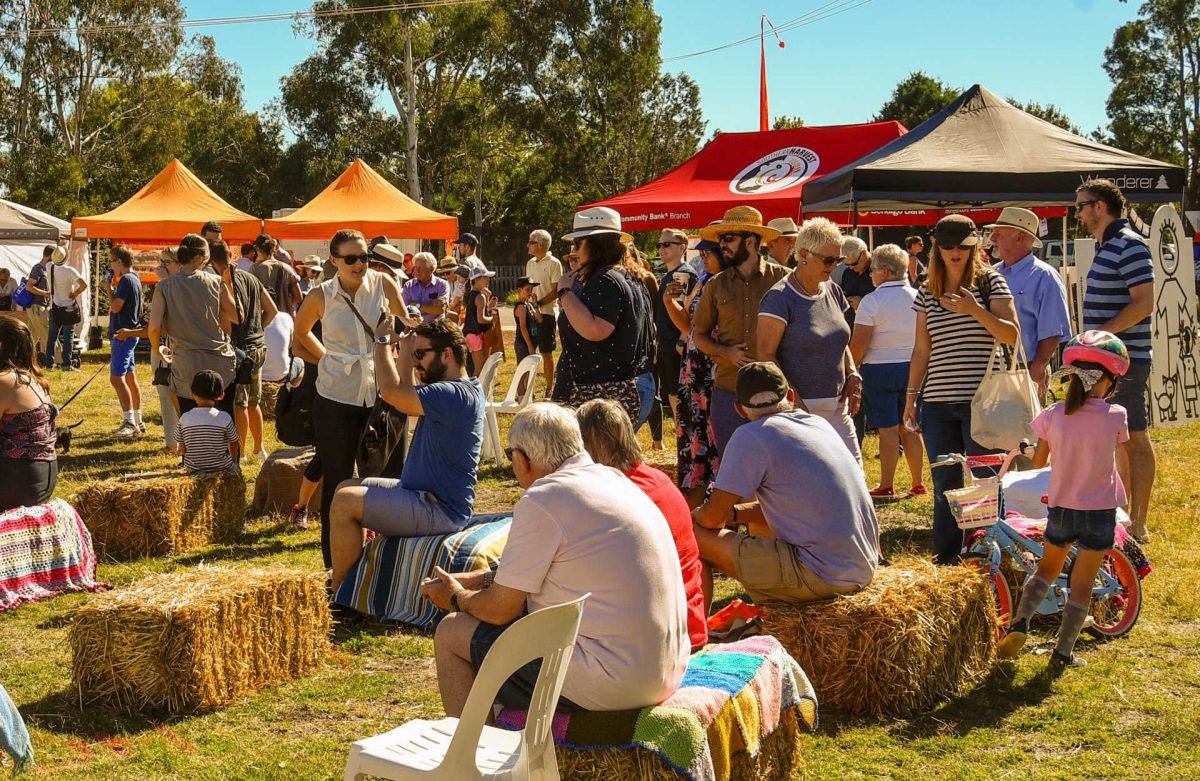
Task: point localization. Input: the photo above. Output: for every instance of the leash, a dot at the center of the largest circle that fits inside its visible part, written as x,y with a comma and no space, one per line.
82,388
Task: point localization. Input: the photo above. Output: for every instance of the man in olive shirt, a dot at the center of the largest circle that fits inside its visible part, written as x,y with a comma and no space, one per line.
729,303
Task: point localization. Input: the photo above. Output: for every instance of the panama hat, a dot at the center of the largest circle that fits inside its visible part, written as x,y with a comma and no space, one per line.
58,256
596,221
1021,219
740,219
313,263
785,225
446,265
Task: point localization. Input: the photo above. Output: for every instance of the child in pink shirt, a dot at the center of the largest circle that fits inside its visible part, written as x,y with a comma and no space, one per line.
1083,433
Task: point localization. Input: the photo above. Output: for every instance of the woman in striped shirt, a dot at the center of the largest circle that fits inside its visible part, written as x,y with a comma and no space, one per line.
963,310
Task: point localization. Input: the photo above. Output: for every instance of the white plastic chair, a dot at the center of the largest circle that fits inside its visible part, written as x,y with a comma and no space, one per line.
466,749
491,428
527,370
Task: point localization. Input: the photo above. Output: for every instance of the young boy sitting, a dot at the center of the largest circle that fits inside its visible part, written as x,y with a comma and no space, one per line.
207,437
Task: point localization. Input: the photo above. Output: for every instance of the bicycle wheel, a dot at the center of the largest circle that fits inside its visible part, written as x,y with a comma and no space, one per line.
1000,587
1117,614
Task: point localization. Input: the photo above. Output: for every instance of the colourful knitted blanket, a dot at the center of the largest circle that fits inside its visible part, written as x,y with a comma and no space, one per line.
732,696
386,580
45,551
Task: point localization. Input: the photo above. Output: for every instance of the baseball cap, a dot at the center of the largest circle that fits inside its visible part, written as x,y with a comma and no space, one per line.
955,230
207,384
760,384
522,282
468,238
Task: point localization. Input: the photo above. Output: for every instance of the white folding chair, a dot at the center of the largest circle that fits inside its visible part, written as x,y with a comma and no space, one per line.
527,370
465,749
491,428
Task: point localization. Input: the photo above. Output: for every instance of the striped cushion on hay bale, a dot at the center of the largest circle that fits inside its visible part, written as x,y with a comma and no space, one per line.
913,637
278,483
199,638
162,513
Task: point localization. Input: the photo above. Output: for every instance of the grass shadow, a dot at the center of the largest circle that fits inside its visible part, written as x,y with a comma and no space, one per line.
60,712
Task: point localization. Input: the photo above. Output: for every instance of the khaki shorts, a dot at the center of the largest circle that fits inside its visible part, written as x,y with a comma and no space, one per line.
769,569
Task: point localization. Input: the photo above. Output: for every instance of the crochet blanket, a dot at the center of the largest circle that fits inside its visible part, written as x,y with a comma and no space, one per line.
386,580
45,550
14,739
732,696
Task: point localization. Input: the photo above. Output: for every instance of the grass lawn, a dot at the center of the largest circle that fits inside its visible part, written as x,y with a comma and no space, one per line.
1127,715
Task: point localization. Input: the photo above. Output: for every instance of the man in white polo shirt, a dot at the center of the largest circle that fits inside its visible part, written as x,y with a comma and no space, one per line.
544,270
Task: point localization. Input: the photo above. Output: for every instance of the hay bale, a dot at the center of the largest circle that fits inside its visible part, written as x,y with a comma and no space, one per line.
162,513
278,483
266,401
199,638
777,759
915,636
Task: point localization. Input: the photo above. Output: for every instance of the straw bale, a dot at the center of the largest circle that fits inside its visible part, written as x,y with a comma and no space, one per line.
278,484
199,638
162,513
777,759
915,636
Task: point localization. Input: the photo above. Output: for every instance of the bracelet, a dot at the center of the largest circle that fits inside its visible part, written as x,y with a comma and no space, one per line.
489,577
912,391
564,291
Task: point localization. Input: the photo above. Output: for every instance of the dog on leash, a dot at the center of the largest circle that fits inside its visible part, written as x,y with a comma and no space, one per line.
63,434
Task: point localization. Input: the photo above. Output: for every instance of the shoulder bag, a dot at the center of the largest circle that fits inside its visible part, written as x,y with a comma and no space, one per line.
1006,402
385,433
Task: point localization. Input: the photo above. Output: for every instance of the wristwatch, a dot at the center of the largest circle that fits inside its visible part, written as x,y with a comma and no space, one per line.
454,601
384,340
564,291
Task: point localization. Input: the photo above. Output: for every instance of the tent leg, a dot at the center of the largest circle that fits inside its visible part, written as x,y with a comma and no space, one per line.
871,238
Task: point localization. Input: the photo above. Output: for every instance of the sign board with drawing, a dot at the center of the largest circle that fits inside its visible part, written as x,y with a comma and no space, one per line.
1174,378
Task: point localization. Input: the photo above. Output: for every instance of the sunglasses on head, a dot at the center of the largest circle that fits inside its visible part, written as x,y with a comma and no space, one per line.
354,259
828,260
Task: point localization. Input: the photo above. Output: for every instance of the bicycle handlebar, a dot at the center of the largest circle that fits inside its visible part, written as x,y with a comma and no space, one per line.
1002,460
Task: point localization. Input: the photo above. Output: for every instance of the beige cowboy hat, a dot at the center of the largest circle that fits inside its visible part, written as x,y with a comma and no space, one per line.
740,219
313,263
595,221
785,225
1021,219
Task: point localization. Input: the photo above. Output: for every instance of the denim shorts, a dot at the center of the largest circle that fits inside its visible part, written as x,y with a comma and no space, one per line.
121,361
884,387
1093,530
1131,394
517,691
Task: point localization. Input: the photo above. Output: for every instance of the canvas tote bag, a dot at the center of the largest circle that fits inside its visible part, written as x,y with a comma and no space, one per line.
1005,403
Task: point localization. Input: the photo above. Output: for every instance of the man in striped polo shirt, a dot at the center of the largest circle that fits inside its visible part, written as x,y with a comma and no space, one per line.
1120,298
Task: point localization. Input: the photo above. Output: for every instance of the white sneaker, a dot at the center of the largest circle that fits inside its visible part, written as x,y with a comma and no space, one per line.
141,427
261,455
126,430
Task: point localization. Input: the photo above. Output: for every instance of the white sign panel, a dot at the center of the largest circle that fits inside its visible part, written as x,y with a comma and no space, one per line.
1174,380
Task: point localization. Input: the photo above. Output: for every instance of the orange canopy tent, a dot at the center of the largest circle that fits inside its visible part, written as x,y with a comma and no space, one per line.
173,203
360,198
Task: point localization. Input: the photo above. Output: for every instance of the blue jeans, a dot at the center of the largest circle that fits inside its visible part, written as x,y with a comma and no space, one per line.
725,417
945,429
647,389
60,333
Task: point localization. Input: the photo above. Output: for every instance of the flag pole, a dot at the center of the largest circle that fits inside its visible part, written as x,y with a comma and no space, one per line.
764,115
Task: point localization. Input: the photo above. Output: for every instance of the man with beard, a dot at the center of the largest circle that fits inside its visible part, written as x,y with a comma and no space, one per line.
729,304
425,377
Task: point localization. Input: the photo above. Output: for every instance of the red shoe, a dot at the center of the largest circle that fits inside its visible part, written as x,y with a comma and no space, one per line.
918,490
734,621
882,493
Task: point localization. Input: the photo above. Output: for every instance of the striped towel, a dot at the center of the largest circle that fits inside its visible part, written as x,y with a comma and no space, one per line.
14,739
731,698
45,550
386,580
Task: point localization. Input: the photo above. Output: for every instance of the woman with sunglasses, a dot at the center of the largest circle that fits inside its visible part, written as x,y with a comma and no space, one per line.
600,318
802,327
349,307
963,309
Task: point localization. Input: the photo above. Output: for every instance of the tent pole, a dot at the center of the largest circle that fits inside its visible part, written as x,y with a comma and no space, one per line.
871,238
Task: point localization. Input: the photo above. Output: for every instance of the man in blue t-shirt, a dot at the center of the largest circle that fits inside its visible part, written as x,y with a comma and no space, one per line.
1119,298
425,378
125,311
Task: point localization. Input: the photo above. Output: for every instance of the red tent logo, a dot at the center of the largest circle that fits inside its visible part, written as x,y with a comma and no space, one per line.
776,171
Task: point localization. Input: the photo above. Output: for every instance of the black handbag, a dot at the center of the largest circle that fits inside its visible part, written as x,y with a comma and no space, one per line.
63,315
294,408
386,431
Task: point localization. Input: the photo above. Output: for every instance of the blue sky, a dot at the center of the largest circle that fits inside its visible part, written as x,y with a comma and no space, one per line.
837,70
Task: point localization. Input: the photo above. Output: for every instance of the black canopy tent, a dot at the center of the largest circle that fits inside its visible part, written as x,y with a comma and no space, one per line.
981,150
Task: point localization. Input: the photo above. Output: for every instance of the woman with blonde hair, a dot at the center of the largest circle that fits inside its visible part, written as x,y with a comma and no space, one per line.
963,310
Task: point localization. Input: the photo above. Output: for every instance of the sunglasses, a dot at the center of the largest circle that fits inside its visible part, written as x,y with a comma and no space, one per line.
963,247
727,238
1080,205
508,452
828,260
665,244
419,353
355,259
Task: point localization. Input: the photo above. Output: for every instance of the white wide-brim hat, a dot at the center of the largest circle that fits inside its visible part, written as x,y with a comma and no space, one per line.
1019,219
595,221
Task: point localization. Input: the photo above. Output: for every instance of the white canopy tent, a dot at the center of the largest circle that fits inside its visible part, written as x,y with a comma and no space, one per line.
25,232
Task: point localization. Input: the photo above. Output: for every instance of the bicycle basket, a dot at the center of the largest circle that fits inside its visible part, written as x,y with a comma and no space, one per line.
977,505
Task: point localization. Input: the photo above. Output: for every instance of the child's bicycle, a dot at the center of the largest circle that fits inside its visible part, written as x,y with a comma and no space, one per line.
1116,594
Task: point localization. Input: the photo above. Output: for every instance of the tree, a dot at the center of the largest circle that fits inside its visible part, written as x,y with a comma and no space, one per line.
787,123
1049,112
1154,106
915,99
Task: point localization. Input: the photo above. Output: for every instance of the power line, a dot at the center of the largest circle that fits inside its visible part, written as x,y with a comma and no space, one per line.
818,14
44,32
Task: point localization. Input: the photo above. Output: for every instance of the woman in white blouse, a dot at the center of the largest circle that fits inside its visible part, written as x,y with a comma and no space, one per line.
346,369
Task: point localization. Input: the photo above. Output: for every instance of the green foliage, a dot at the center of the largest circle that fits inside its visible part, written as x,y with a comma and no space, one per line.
787,123
915,99
1048,112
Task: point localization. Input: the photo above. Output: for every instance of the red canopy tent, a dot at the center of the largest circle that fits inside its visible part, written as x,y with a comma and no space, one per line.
767,170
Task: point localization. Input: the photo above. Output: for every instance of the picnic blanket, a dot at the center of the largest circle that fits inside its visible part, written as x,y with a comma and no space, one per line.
14,739
45,550
731,698
386,580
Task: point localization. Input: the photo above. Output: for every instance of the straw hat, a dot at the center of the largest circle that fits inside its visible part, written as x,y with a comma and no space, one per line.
446,265
595,221
58,256
740,219
1020,219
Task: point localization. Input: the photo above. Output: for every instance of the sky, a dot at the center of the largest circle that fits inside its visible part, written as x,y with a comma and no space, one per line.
836,70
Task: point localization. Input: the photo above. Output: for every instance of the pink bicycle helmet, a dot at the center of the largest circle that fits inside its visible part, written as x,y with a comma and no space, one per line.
1098,347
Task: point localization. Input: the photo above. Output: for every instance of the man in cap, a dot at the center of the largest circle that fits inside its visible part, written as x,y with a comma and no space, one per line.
425,291
468,248
544,270
1039,293
1119,298
779,250
854,274
729,303
790,480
